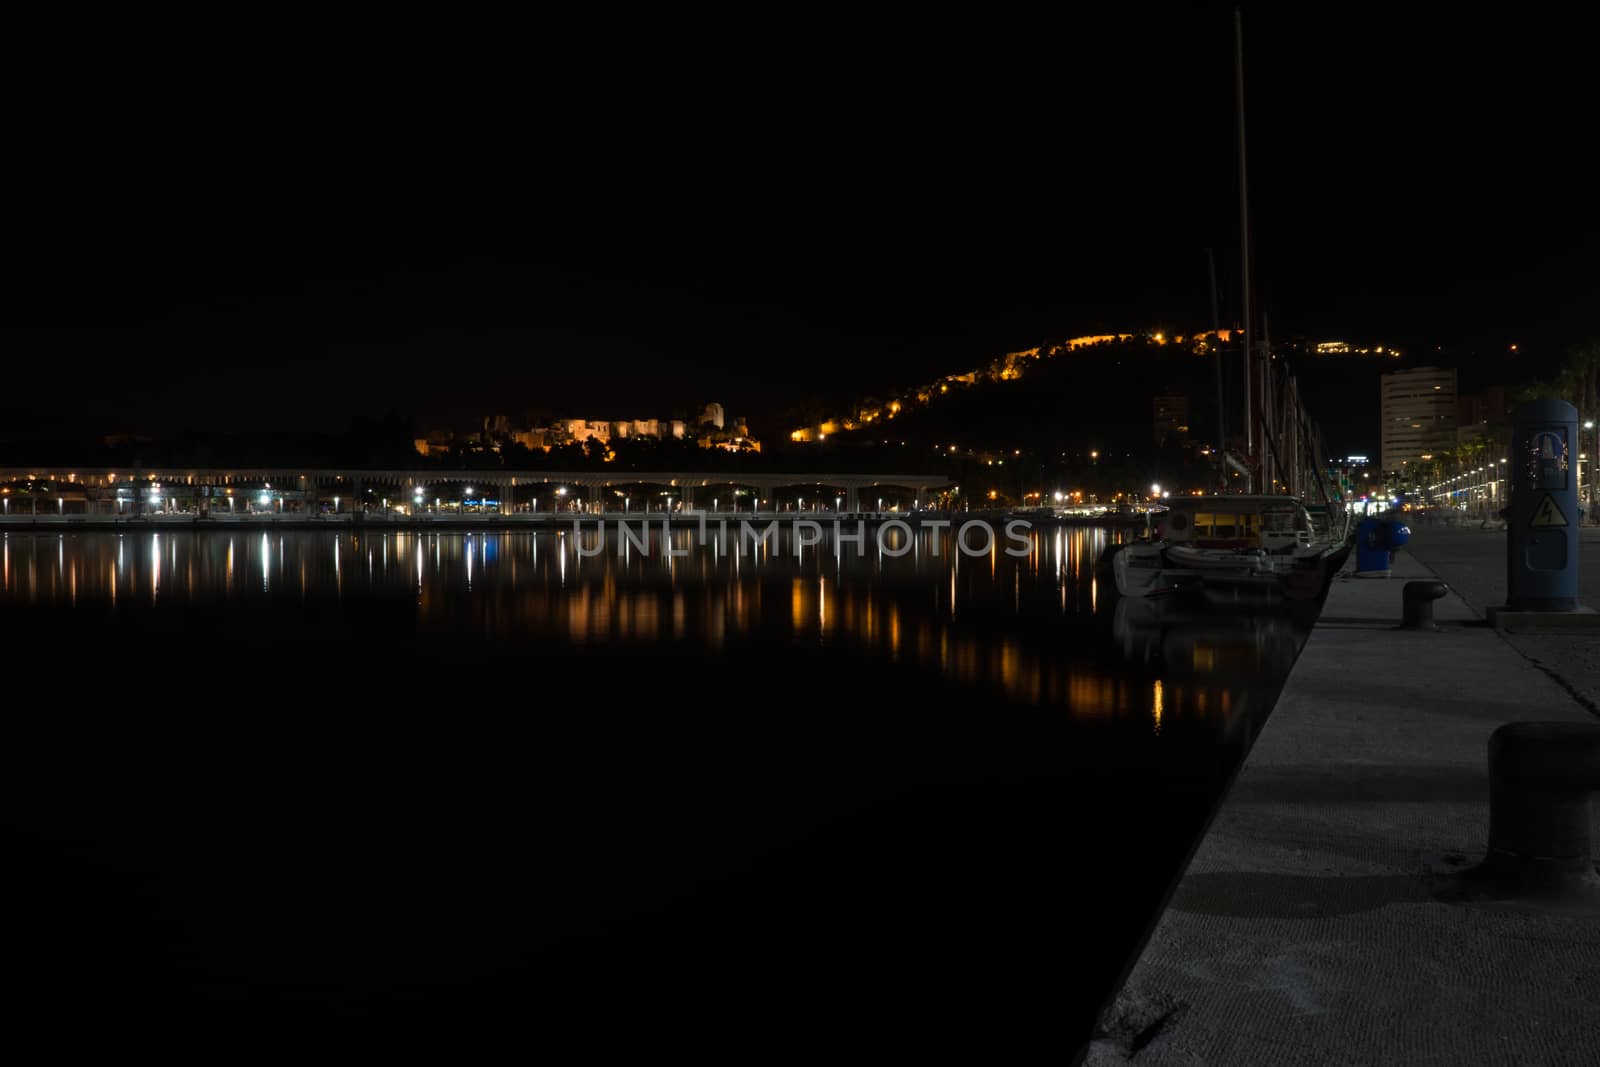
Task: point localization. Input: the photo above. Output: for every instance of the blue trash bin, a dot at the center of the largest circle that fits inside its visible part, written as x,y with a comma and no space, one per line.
1376,542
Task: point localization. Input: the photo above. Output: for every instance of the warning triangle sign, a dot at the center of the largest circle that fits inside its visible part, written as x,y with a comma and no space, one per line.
1547,514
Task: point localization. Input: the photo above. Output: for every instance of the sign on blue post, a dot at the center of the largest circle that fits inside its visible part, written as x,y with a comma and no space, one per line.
1542,521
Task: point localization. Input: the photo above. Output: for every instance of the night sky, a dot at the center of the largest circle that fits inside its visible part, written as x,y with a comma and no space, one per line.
584,225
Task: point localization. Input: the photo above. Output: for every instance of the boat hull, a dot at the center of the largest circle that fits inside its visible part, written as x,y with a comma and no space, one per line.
1225,578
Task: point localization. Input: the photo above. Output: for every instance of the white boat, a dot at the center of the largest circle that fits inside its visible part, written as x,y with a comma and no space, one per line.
1230,547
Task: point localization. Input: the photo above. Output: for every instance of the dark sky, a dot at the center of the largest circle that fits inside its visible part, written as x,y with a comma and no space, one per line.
567,221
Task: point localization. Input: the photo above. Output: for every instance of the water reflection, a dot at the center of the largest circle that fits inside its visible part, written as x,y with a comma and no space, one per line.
1031,628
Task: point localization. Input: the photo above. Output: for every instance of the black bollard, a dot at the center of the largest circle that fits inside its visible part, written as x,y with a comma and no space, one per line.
1416,601
1540,777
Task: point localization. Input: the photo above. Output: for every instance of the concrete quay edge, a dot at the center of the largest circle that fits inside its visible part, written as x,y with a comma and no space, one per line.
1304,929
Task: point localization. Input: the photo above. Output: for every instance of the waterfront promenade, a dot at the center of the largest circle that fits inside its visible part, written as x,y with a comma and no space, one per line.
1305,929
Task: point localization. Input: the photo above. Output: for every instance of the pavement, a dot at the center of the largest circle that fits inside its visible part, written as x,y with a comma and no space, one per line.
1473,563
1306,928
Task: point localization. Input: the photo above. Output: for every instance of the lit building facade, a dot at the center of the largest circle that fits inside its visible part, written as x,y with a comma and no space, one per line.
1419,416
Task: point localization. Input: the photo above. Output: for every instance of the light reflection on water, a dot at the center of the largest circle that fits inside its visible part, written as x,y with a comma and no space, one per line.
1026,626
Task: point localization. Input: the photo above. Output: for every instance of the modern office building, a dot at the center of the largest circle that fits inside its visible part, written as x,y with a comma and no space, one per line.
1419,416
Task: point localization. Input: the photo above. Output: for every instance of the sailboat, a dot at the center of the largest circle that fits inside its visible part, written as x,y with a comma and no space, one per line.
1266,542
1238,546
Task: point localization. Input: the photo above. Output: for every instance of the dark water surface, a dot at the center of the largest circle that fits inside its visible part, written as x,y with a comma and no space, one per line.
924,803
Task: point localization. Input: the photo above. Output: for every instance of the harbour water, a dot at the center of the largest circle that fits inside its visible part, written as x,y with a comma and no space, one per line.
929,798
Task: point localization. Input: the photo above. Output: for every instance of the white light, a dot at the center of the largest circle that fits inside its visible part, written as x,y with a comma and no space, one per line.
1155,490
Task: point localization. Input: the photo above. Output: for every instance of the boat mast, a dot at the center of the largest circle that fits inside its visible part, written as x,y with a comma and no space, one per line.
1222,406
1244,254
1267,411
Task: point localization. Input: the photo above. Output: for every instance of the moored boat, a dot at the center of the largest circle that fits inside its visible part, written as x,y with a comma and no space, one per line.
1231,547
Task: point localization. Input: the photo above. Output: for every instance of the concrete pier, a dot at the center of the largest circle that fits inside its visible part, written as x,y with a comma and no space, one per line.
1307,928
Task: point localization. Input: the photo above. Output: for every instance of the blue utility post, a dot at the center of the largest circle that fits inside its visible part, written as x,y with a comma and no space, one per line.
1542,521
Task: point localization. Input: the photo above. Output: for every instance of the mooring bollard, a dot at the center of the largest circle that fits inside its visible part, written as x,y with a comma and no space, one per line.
1416,603
1540,777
